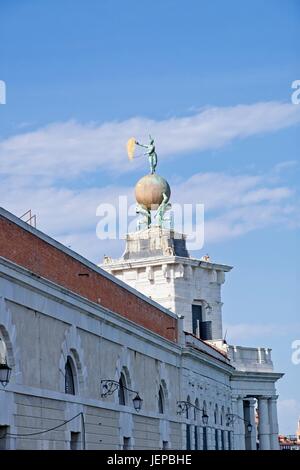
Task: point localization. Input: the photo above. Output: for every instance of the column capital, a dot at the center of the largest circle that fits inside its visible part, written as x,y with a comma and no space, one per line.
251,401
238,397
274,398
263,397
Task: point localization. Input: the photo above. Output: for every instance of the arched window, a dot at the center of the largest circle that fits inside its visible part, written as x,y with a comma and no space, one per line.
204,407
204,442
69,377
3,351
161,401
196,409
222,416
216,414
122,390
228,417
188,408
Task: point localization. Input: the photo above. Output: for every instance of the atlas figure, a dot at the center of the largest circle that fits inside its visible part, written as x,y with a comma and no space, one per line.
163,208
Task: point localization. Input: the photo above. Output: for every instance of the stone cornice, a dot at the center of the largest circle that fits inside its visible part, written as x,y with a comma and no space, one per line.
116,265
257,376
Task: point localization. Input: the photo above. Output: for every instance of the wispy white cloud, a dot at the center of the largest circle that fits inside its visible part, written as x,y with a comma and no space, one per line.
242,220
219,190
40,169
69,149
234,205
238,204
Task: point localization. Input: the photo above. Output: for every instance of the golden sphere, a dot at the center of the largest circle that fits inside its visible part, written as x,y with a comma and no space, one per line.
149,191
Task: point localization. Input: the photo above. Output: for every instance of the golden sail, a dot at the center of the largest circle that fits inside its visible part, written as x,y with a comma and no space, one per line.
131,148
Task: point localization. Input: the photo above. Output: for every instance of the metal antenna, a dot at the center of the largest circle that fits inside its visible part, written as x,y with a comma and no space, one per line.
29,218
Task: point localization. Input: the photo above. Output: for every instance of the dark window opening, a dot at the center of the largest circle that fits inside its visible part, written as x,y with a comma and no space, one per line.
126,443
204,439
223,440
4,438
196,320
75,441
196,437
201,329
122,394
69,378
165,445
216,440
160,401
229,440
188,437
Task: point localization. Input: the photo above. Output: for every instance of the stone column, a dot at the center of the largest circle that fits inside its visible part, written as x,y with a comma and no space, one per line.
183,436
192,436
226,439
231,440
236,425
252,414
209,438
220,439
239,423
250,418
272,402
200,437
216,437
263,424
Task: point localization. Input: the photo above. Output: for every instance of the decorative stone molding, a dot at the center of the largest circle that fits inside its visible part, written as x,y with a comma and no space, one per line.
179,271
166,271
150,273
188,272
9,333
220,277
126,428
72,347
123,365
163,381
213,277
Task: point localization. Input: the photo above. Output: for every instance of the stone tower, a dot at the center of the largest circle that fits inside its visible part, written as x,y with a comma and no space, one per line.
156,262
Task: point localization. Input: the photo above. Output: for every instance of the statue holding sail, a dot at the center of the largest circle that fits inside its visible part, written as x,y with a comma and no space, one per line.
152,192
150,151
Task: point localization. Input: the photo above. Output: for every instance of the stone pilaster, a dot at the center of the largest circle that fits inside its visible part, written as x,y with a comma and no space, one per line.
263,425
272,403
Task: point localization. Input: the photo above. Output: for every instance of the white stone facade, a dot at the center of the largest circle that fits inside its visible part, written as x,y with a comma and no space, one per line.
44,325
181,282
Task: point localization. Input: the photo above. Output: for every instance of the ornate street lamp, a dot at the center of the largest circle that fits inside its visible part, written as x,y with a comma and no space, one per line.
183,407
231,417
110,386
5,372
137,402
249,427
204,418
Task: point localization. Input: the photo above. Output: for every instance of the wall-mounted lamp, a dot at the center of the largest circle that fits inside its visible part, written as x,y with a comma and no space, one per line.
5,372
184,406
230,420
110,386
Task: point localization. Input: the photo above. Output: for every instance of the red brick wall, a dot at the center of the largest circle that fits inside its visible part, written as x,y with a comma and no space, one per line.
35,254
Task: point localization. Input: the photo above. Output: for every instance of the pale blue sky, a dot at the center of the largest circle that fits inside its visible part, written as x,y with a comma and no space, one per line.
78,71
